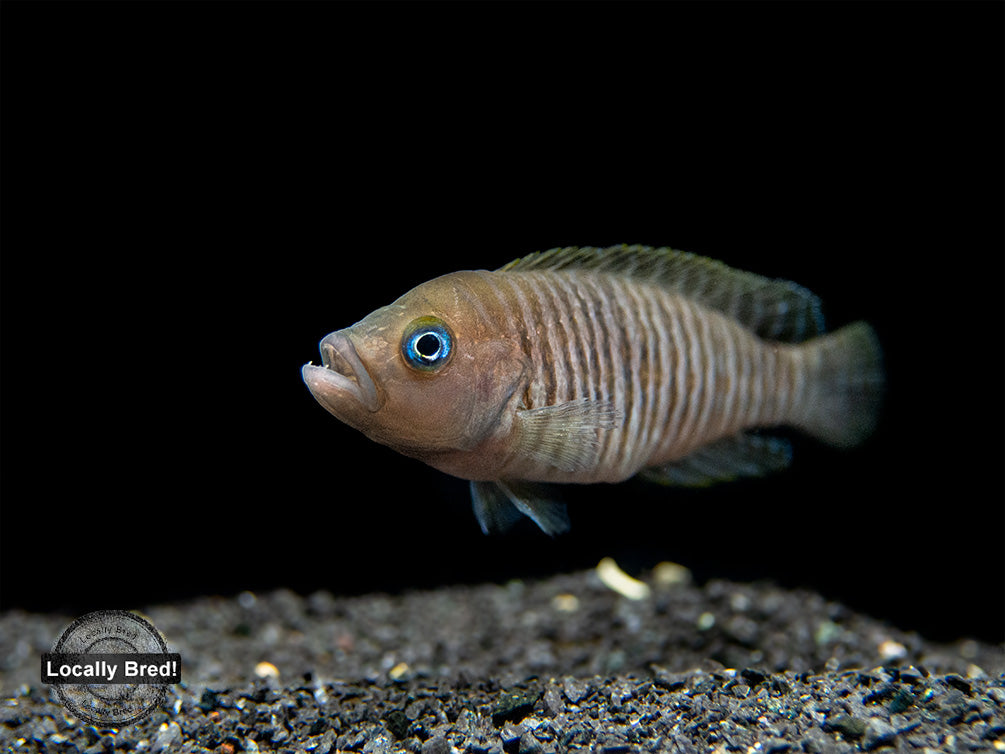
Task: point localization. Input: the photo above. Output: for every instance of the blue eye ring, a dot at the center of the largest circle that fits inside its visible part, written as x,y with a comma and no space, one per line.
427,344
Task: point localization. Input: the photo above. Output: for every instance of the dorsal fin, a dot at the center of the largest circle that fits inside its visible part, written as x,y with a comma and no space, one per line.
773,309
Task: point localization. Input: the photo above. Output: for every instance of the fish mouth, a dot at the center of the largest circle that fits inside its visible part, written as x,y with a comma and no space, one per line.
342,374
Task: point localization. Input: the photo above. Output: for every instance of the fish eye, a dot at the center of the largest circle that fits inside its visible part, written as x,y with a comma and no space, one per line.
427,344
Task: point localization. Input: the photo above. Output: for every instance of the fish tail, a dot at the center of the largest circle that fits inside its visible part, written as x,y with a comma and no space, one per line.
846,385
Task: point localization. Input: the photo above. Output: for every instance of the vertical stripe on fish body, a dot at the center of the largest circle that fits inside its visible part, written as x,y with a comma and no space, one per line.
592,365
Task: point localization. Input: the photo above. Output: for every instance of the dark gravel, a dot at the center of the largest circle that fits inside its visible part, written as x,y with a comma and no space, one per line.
561,664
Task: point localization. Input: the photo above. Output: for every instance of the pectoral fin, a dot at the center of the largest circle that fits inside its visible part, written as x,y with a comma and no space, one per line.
743,455
499,505
565,435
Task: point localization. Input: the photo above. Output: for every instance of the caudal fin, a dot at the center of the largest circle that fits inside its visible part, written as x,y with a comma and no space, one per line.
846,378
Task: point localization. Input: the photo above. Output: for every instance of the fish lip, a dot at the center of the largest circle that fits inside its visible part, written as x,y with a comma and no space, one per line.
342,372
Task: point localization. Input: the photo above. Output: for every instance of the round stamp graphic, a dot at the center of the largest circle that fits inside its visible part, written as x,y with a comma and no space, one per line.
111,667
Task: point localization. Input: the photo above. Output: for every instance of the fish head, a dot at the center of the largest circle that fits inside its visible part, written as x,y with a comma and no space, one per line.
425,375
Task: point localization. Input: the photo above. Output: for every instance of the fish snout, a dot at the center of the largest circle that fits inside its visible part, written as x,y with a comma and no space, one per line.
342,375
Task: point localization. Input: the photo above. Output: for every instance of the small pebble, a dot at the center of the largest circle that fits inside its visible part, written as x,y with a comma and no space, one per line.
167,737
437,745
565,603
513,706
553,703
398,671
877,733
827,632
668,574
848,726
575,691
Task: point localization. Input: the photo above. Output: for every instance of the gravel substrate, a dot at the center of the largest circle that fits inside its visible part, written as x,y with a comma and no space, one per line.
561,664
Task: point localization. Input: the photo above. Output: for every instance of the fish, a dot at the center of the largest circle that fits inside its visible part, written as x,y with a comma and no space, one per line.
585,365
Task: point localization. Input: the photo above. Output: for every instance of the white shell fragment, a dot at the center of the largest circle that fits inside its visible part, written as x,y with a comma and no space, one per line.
614,578
266,670
891,650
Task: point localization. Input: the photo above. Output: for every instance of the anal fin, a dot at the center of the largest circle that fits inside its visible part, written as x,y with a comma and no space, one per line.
744,455
499,505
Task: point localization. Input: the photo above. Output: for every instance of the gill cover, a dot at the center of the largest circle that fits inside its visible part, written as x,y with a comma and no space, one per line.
440,371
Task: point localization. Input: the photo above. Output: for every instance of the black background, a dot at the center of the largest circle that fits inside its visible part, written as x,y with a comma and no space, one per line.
195,194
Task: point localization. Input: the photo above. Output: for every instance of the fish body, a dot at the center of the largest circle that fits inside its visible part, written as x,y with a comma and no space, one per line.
585,365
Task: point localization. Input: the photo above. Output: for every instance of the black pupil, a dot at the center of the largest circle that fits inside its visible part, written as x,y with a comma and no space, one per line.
428,346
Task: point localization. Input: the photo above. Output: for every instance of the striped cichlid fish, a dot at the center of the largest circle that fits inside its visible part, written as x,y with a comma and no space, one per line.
584,365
